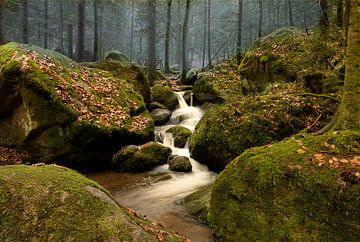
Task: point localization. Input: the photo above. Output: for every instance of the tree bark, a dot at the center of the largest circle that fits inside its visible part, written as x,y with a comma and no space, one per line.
81,30
260,19
324,18
25,21
167,37
46,24
209,34
152,41
340,13
132,31
1,20
61,30
184,67
347,19
239,31
96,33
205,33
348,113
70,40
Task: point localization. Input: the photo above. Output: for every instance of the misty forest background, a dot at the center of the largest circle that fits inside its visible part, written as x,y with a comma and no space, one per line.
86,30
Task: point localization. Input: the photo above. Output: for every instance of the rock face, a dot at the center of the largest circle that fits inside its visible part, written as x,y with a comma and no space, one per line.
205,91
180,164
164,95
56,109
116,55
197,203
227,130
302,189
180,134
55,203
140,158
161,116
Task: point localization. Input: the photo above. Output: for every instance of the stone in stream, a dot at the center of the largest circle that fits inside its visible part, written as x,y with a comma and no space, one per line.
205,91
180,164
160,116
180,134
156,105
53,203
164,95
140,158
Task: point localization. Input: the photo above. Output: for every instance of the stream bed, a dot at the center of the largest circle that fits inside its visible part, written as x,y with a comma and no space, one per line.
161,201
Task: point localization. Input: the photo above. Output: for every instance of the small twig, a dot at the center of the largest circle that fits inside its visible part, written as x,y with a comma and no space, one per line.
315,122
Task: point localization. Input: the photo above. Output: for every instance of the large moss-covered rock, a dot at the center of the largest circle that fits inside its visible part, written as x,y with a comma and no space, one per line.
140,158
52,203
59,110
197,203
180,134
160,116
205,91
127,72
227,130
180,164
164,95
116,55
306,188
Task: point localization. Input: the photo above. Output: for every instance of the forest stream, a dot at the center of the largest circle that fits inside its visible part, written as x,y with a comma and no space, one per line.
162,201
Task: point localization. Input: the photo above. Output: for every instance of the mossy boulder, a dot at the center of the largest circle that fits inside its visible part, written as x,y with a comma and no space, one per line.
116,55
197,203
205,91
163,94
303,188
140,158
191,77
180,134
227,130
58,110
156,105
55,203
180,164
127,72
160,116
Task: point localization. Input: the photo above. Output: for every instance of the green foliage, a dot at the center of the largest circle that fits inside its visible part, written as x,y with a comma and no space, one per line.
285,191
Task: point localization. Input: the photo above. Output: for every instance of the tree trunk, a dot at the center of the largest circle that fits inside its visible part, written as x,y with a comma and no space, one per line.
184,67
70,40
1,20
209,34
61,47
167,37
260,19
348,113
46,24
152,41
96,33
347,19
324,18
25,21
81,30
239,31
132,32
339,13
290,12
205,33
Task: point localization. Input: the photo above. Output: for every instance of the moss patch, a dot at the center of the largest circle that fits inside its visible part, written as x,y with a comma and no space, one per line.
303,188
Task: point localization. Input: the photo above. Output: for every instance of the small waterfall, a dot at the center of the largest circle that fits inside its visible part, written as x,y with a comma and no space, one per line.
182,102
191,99
168,140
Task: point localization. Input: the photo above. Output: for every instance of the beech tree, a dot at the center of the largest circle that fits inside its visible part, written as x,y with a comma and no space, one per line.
152,41
184,66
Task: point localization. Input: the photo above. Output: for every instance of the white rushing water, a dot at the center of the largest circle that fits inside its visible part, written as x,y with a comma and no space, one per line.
160,200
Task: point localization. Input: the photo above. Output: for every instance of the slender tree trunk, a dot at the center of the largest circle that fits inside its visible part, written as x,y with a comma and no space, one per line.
347,19
184,67
324,18
81,30
2,39
61,47
25,21
70,40
132,31
152,41
260,18
205,33
340,13
179,33
239,31
96,33
46,24
167,37
348,113
291,20
100,31
209,34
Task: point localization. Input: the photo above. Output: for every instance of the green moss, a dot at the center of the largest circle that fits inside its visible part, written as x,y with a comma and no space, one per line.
197,203
180,134
280,192
164,95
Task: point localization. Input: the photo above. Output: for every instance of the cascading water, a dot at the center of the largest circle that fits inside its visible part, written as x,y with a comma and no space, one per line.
160,201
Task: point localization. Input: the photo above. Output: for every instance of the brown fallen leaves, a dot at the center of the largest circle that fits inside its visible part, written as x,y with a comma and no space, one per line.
11,156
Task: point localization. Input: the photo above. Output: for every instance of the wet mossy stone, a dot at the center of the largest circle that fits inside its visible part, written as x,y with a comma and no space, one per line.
180,134
303,188
62,111
160,116
55,203
191,77
197,203
205,91
180,164
155,105
116,55
164,95
140,158
225,131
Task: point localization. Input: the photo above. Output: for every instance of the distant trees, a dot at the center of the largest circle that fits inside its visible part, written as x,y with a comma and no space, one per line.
184,65
167,36
151,41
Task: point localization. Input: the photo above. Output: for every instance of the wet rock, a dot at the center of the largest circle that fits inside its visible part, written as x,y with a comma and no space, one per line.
180,164
116,55
140,158
205,91
197,203
156,105
191,77
180,134
160,116
164,95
